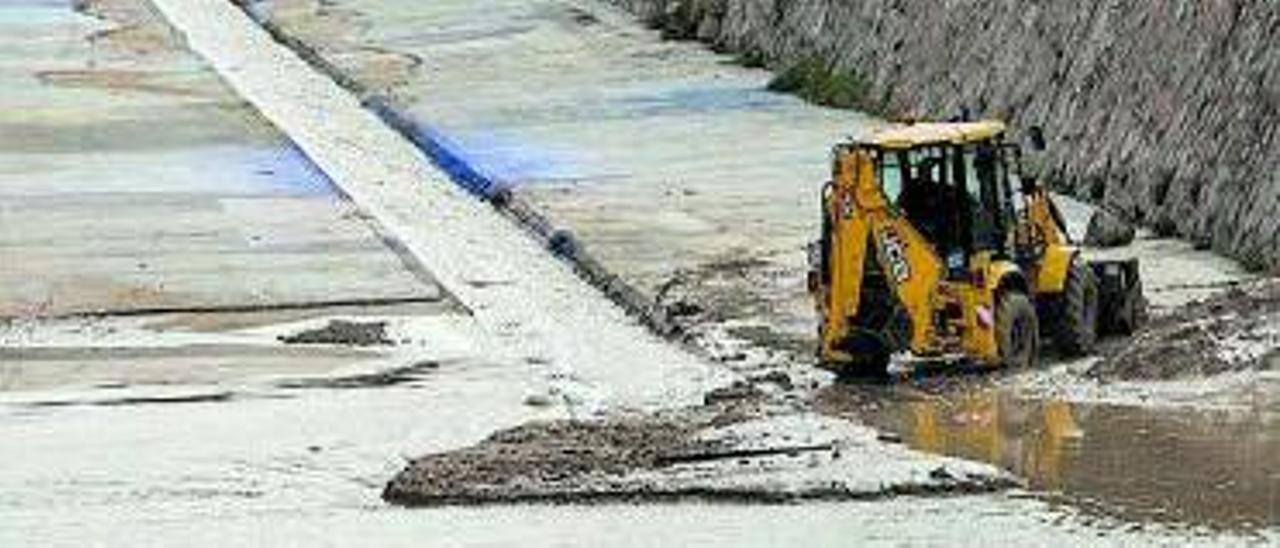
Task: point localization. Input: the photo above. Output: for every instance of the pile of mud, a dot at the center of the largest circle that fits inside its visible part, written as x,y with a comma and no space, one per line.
760,301
342,332
377,379
566,460
1162,111
1234,331
736,448
555,461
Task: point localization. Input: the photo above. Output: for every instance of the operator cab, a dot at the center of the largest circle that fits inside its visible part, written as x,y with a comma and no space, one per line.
950,181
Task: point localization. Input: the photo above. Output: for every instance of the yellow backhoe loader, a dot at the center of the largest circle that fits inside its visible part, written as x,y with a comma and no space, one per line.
934,247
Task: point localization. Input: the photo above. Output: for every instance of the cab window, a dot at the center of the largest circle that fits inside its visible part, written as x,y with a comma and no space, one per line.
891,175
984,178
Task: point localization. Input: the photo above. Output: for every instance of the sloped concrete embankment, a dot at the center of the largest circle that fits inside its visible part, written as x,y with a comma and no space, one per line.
453,161
531,308
1163,111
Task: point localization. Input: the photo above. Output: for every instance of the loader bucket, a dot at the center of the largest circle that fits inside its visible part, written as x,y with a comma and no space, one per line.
1122,308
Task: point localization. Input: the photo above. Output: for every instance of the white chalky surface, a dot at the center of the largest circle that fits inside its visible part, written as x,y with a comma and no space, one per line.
535,308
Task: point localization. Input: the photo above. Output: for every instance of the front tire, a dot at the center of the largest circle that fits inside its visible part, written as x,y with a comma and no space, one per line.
1076,320
1133,315
870,362
1017,331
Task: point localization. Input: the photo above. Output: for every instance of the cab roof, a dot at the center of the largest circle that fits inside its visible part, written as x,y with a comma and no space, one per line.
904,136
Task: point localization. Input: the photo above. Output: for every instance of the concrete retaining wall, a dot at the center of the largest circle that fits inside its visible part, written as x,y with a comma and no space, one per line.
1165,111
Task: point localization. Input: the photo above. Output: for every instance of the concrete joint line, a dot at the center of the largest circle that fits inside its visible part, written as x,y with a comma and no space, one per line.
447,158
534,307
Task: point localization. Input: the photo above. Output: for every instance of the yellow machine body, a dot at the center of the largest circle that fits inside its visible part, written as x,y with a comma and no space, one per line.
942,305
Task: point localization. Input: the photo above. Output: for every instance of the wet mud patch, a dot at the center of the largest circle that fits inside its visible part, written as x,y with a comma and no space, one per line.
768,337
542,461
136,400
743,297
143,38
1236,330
383,69
137,29
706,292
375,66
119,80
379,379
738,448
344,333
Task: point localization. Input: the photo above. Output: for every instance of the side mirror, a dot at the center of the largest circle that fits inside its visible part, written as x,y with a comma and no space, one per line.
1036,134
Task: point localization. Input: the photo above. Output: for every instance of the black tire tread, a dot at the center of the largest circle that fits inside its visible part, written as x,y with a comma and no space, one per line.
1011,304
1073,333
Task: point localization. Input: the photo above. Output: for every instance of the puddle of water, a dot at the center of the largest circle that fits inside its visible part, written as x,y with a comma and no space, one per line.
1213,469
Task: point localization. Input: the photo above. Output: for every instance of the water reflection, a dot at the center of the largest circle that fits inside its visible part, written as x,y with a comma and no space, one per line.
1217,469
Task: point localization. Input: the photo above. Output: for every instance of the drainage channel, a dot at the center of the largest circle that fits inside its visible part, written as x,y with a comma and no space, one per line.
443,153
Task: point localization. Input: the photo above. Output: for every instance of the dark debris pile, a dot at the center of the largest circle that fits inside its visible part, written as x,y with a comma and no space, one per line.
1200,339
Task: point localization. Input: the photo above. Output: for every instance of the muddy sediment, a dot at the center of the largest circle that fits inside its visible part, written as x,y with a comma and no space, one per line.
135,400
542,461
342,332
1236,330
745,298
378,379
739,447
567,459
135,29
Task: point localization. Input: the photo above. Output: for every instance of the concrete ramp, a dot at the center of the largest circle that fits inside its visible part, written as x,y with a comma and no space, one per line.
538,313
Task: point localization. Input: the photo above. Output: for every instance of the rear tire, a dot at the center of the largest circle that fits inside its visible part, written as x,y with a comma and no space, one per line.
1017,331
867,374
869,365
1134,314
1076,319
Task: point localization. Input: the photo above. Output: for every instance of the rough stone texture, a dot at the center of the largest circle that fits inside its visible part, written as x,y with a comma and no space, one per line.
1164,111
1106,229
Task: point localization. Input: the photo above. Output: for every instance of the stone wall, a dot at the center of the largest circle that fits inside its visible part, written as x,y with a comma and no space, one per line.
1163,110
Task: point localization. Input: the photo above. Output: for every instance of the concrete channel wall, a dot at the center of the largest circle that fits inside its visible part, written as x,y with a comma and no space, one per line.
1165,111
